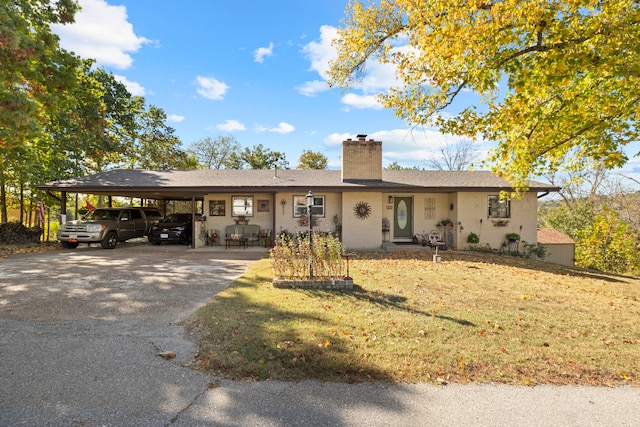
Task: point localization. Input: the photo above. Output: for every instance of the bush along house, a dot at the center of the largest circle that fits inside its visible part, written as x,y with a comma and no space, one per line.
368,206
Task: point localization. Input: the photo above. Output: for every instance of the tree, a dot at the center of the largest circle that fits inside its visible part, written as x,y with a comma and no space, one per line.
260,157
215,153
454,157
34,70
395,166
156,146
559,79
312,160
609,245
35,76
600,215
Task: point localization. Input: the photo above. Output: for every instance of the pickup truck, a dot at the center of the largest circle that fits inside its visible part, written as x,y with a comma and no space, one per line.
108,226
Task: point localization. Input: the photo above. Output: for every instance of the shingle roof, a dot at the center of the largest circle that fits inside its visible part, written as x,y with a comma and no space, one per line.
148,183
551,236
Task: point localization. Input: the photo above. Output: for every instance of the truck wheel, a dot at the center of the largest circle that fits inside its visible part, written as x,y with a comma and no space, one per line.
110,240
69,245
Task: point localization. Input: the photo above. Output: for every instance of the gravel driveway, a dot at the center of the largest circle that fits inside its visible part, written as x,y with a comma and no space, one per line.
134,282
80,333
81,330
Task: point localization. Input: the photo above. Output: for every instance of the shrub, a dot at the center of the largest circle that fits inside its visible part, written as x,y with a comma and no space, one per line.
291,257
534,250
473,238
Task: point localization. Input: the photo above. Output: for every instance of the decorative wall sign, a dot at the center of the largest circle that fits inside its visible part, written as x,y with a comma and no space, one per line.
216,208
362,210
263,206
429,208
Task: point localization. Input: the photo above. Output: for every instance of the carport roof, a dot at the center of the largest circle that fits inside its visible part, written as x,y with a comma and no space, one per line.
186,184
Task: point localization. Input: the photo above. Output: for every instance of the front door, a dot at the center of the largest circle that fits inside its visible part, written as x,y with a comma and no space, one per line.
402,218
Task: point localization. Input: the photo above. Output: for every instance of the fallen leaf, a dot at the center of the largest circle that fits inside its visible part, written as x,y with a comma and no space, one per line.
167,354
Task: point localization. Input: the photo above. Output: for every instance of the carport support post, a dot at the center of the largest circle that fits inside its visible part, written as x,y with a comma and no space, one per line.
63,207
194,237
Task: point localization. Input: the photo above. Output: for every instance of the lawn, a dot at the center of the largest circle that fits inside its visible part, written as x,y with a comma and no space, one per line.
473,318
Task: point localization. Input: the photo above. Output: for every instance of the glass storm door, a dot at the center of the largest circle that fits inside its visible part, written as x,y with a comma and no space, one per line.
402,219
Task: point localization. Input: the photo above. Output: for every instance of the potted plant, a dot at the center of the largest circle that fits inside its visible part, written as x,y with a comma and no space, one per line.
336,222
213,238
444,222
513,237
242,220
473,238
266,239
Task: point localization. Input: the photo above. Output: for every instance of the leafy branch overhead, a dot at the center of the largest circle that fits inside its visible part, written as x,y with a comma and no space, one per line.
558,80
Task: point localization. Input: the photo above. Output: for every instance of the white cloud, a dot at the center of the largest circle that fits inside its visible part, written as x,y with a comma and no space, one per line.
134,88
210,88
377,79
311,88
102,32
260,53
408,147
320,53
175,118
230,126
631,171
336,139
282,128
361,101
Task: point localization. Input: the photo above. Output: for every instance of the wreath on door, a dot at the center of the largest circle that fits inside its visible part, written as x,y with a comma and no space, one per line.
362,210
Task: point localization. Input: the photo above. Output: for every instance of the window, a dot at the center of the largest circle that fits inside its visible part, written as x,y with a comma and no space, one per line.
300,206
498,208
242,206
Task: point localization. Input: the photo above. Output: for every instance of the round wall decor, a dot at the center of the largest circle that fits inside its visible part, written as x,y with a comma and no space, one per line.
362,210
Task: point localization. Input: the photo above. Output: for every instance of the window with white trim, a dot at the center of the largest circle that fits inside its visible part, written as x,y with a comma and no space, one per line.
300,206
242,206
498,208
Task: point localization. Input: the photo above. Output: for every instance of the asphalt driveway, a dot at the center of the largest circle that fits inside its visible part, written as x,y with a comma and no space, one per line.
80,333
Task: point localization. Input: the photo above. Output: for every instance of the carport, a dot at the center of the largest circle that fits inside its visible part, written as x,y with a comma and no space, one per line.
162,186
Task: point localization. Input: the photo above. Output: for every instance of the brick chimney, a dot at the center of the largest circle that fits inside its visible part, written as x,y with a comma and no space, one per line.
361,159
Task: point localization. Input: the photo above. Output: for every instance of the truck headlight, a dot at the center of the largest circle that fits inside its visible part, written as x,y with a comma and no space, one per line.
95,228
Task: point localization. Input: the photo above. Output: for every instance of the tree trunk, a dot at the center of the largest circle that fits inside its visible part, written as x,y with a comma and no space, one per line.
21,202
3,198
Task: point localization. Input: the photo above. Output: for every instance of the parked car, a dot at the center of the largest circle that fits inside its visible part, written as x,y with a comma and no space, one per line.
173,228
153,216
106,226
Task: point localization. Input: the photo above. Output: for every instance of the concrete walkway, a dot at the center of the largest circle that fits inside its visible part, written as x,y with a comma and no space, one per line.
80,333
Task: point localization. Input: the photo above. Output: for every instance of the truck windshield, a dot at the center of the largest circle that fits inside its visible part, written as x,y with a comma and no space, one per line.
102,214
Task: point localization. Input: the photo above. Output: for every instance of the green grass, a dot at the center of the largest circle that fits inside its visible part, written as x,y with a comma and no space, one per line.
473,318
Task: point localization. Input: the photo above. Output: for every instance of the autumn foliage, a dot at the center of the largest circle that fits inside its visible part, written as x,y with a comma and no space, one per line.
553,81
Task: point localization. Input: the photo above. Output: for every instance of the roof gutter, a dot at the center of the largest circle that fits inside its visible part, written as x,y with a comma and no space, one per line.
543,194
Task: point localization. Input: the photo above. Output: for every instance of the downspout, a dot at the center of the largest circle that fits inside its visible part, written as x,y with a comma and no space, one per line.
273,219
194,237
543,194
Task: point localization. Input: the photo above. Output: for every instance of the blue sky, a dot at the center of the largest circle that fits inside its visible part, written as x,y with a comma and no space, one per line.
251,69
